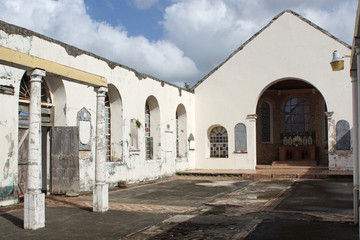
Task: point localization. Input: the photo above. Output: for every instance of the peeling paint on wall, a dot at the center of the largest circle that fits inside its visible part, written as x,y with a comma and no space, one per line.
9,155
7,191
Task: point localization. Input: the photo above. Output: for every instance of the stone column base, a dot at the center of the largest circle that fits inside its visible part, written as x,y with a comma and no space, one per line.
101,198
34,211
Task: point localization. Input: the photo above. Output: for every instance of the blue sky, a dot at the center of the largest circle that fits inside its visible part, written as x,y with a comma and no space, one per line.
125,13
173,40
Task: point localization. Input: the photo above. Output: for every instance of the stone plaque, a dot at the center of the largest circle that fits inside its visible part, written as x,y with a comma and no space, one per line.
84,123
342,135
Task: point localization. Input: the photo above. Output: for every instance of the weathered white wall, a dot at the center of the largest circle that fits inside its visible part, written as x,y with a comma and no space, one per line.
288,48
69,98
9,135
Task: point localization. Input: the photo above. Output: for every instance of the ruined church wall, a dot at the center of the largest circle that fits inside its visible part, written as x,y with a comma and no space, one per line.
69,98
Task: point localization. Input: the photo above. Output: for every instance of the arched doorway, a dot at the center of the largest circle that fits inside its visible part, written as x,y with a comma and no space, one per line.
46,123
291,126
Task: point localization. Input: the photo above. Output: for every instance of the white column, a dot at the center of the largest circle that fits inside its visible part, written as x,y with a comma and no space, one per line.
331,133
252,139
100,194
355,140
34,200
357,100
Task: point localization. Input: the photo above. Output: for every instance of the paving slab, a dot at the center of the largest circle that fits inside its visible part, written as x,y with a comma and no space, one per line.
75,223
199,208
132,210
319,196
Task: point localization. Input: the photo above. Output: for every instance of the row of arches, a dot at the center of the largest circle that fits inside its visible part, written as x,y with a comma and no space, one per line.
114,122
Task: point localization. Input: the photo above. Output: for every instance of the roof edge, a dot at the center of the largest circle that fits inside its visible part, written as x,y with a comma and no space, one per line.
260,31
74,51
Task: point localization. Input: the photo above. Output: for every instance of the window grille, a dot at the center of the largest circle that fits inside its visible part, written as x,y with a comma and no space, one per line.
218,142
297,115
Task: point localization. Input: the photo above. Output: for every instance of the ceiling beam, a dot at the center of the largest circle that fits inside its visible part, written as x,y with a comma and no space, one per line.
26,62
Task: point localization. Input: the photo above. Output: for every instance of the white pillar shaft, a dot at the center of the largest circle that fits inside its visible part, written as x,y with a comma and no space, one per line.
100,197
34,202
357,127
355,149
252,137
34,155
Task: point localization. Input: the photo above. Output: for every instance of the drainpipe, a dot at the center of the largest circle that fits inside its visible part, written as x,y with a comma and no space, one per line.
355,147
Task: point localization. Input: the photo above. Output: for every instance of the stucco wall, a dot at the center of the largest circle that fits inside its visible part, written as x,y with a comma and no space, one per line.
287,48
69,98
9,135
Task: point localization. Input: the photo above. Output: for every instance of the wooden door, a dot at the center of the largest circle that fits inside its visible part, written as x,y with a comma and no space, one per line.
23,149
64,172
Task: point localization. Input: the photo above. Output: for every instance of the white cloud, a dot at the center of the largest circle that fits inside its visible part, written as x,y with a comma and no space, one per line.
209,30
199,34
67,21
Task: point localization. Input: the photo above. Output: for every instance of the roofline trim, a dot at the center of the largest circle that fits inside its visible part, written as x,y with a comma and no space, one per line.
260,31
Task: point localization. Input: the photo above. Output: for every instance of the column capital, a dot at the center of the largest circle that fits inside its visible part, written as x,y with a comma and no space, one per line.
251,117
36,73
329,115
101,90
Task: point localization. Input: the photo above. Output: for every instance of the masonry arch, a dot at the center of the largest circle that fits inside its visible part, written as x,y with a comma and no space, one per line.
291,124
114,124
152,129
181,131
53,102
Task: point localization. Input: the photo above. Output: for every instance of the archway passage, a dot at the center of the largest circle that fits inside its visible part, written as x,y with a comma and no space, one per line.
23,131
291,126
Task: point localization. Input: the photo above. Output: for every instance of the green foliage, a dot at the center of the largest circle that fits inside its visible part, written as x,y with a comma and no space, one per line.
186,85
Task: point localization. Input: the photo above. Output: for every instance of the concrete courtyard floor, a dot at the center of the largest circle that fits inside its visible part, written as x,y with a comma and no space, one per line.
185,207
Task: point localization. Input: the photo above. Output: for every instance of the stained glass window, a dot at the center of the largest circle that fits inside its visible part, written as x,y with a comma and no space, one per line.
219,142
297,115
265,122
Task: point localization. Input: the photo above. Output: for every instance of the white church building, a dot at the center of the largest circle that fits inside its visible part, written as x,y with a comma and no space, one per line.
73,121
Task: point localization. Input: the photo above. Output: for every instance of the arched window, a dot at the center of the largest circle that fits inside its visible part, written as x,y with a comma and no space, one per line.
24,101
23,134
240,138
113,125
107,128
181,131
152,129
266,122
219,142
148,138
297,115
342,135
